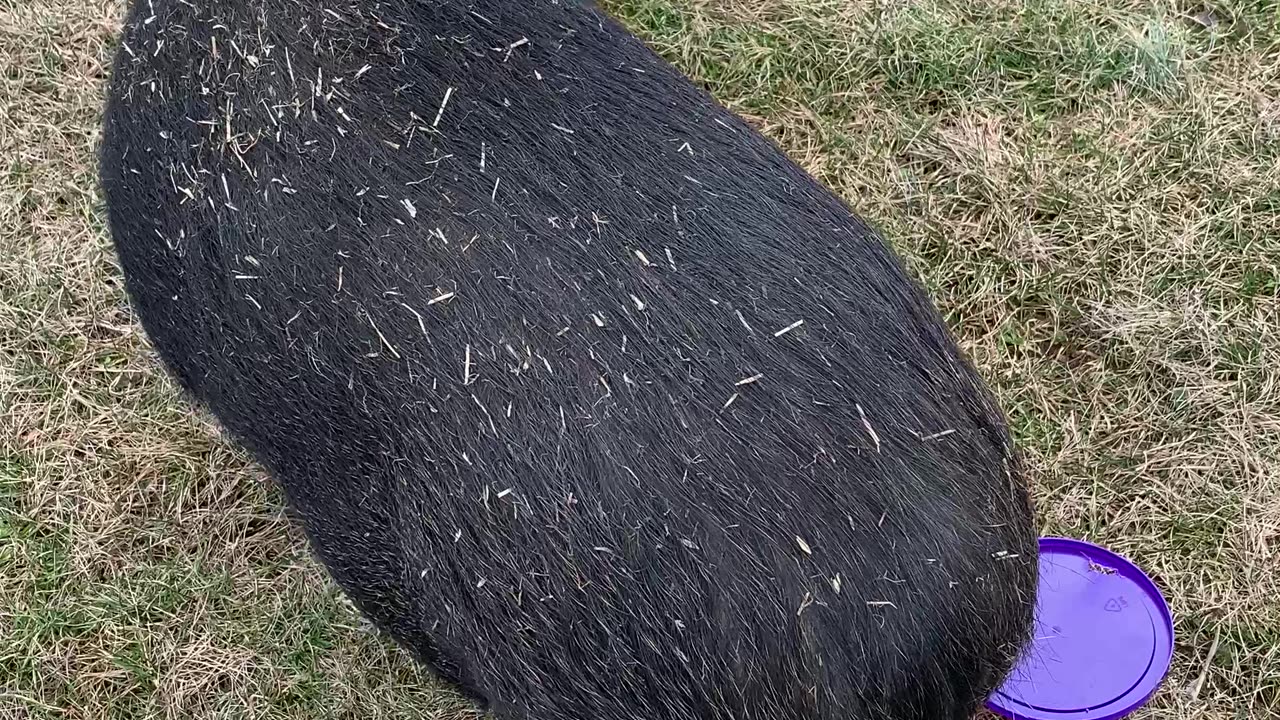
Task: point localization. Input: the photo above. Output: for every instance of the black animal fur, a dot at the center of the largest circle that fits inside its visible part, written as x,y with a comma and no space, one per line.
583,391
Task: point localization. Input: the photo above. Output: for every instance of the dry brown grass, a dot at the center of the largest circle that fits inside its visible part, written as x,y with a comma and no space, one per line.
1092,190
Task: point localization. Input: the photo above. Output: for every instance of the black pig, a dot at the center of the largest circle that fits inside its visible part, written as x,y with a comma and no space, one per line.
583,391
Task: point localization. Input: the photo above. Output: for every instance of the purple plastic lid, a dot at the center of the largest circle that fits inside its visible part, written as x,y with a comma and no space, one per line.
1103,642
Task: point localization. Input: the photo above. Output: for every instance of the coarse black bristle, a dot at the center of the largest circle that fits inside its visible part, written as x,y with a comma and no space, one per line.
584,392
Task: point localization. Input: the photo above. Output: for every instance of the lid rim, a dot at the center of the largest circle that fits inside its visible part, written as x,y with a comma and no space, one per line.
1147,682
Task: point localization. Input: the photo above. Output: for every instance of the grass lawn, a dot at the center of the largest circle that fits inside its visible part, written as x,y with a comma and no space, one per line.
1090,188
